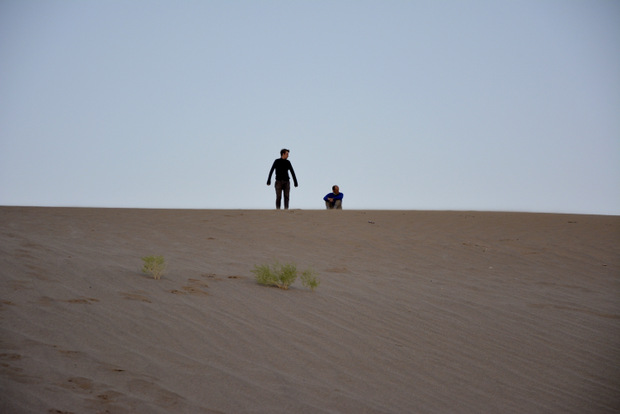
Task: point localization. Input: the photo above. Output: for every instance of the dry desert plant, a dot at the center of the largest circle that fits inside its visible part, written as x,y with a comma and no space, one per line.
284,275
309,279
154,266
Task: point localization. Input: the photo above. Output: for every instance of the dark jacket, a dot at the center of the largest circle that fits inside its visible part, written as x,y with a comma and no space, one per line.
334,196
282,168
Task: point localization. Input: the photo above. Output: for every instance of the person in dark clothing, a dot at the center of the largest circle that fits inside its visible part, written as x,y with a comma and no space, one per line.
282,183
333,200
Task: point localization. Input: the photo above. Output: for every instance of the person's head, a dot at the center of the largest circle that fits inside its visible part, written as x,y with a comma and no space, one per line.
284,153
336,189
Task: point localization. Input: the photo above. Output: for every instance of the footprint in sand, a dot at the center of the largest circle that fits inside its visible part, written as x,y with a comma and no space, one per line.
15,373
193,288
197,286
80,383
81,300
10,357
108,396
67,353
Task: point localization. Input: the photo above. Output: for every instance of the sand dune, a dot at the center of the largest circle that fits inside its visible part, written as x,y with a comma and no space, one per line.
417,312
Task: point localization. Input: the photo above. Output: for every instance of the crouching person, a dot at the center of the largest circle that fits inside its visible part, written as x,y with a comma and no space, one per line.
333,200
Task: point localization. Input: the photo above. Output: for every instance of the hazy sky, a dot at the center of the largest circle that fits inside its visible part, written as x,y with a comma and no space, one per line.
450,105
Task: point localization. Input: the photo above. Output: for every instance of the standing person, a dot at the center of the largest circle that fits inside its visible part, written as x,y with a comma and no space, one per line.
334,199
282,184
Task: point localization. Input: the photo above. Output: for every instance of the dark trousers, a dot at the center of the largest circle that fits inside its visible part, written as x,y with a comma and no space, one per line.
337,204
282,186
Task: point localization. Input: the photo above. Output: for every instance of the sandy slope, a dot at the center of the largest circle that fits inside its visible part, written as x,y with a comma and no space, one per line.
417,312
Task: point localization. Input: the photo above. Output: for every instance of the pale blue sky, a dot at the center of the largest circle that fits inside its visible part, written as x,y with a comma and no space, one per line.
449,105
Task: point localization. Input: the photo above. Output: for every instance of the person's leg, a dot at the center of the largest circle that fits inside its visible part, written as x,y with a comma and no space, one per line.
328,205
338,204
286,186
278,187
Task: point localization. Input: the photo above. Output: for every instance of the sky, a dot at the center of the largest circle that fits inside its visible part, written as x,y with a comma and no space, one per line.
486,105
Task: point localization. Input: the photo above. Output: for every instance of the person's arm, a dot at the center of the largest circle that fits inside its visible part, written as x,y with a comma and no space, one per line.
293,173
327,197
273,167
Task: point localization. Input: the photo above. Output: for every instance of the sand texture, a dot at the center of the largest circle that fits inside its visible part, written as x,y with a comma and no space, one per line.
417,312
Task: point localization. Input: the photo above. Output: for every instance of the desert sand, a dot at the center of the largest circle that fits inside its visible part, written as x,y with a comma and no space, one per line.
417,312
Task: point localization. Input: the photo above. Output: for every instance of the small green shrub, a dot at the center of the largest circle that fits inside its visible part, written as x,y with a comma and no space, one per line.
276,274
309,279
154,266
283,275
